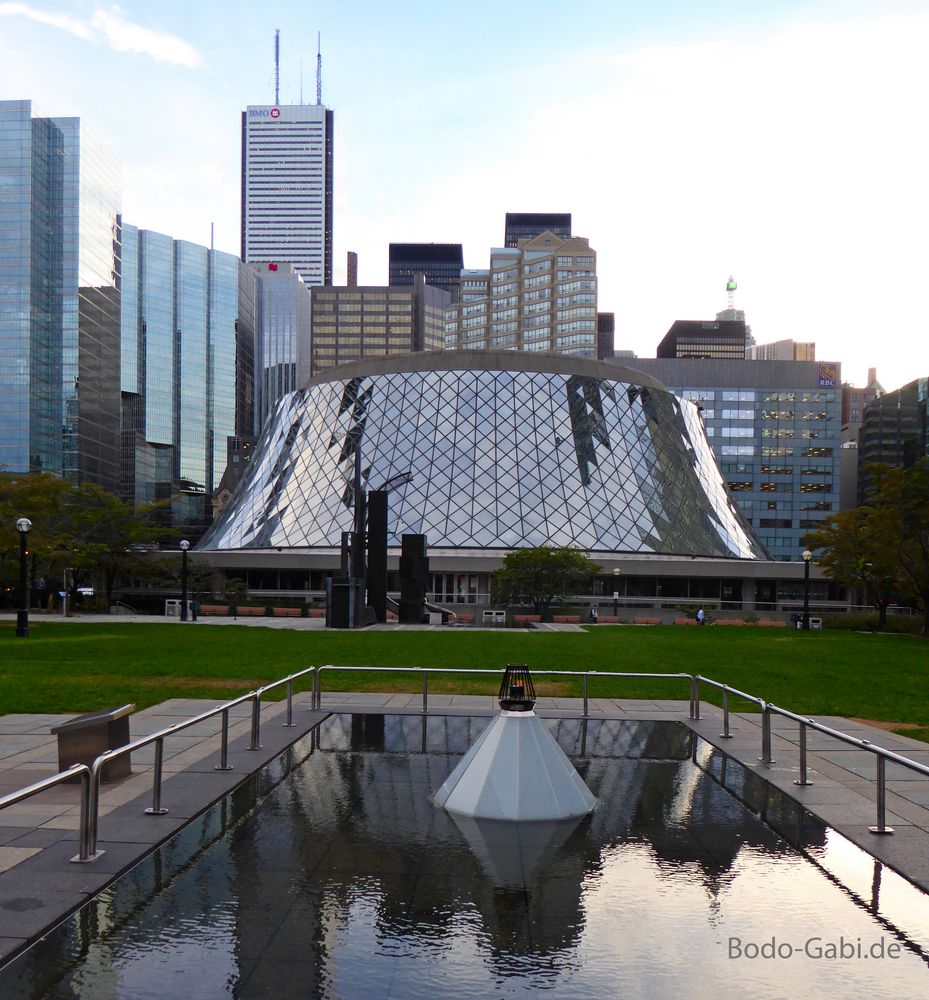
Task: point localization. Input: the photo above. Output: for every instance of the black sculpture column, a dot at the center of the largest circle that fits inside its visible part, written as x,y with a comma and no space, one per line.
414,573
377,553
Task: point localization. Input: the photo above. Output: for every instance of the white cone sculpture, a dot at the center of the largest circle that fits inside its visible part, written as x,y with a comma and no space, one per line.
515,770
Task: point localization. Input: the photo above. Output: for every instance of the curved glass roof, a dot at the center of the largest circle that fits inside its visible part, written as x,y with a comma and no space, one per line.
489,451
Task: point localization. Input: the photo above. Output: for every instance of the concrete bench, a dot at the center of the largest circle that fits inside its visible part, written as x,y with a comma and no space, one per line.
214,609
286,612
567,619
525,619
250,611
686,621
647,621
82,740
772,624
466,619
317,612
730,621
608,619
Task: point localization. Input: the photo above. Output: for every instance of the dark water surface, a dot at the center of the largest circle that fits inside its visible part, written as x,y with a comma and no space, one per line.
333,875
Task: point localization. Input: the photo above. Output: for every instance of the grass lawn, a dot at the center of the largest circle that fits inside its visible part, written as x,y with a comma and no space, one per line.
82,667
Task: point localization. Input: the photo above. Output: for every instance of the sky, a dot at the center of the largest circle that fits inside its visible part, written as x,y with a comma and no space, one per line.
783,141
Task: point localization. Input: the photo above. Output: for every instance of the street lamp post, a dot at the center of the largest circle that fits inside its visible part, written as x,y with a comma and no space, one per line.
185,545
617,572
23,526
807,559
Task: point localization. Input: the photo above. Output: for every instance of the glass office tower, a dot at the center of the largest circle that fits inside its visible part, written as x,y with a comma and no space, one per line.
181,347
59,298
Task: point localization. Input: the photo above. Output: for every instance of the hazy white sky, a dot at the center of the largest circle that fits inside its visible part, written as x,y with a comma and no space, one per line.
783,142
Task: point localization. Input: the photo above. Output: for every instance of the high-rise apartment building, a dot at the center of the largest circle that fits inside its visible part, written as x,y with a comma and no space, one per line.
287,188
440,263
186,339
689,338
59,298
539,296
373,321
528,225
775,428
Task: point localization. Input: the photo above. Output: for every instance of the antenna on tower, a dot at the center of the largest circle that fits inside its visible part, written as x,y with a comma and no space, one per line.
319,71
277,65
731,286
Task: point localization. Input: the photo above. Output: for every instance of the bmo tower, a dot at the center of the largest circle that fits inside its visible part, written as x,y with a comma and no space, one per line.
287,188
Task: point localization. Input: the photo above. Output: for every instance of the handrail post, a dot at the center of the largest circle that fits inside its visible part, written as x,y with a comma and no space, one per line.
694,699
882,826
726,734
803,778
256,721
584,689
94,804
766,757
224,764
290,702
314,698
425,691
84,852
156,809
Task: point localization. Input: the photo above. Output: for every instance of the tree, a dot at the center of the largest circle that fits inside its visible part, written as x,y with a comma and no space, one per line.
908,491
541,576
110,535
83,529
884,544
857,547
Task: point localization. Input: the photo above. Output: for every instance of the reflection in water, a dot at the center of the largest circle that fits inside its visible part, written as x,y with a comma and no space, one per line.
340,879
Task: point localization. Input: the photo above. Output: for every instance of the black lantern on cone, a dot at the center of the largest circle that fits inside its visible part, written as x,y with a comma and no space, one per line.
517,693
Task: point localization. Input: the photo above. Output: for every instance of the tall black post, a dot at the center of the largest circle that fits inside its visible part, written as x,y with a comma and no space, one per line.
807,559
377,553
185,545
22,614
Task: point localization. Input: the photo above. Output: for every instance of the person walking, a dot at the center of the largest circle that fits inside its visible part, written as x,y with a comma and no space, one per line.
700,616
593,615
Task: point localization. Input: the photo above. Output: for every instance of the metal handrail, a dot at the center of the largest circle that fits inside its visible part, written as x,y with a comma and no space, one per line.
727,689
883,755
256,704
768,709
316,701
156,808
86,853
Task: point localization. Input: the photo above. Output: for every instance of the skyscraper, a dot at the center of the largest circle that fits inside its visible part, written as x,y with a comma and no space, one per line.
441,263
186,332
282,335
539,296
528,225
287,188
369,321
689,338
59,298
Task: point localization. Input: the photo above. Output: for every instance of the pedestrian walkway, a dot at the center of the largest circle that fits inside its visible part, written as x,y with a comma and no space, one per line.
39,885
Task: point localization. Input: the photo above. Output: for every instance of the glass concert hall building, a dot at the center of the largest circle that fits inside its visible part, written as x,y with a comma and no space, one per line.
485,452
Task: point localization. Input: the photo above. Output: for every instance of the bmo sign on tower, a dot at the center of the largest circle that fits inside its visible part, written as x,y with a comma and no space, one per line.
287,187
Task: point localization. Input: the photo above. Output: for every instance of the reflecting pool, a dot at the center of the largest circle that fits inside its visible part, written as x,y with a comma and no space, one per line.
332,874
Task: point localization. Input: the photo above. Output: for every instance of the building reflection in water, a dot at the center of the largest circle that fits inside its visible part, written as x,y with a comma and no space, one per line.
342,879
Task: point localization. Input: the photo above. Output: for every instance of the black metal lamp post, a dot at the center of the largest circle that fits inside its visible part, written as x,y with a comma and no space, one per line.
185,545
807,559
617,572
23,526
